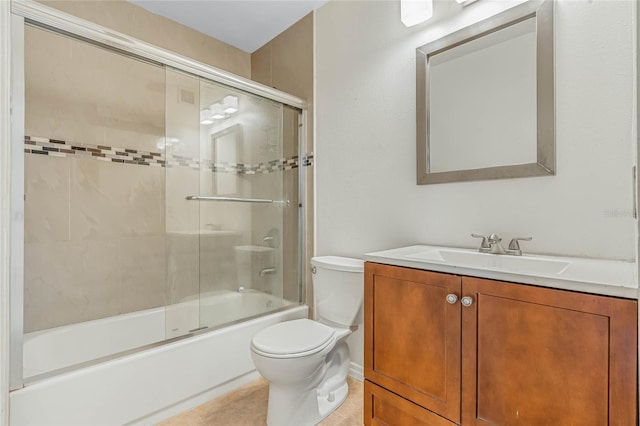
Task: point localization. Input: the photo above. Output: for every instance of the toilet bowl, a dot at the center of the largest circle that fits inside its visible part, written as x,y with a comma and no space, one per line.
307,362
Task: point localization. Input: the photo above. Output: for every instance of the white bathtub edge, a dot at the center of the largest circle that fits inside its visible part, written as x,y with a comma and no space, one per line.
196,400
145,384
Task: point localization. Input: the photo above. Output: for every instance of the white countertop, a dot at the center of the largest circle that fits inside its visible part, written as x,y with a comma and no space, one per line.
606,277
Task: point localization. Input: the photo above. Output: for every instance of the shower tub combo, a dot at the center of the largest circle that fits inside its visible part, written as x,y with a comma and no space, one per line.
164,224
142,387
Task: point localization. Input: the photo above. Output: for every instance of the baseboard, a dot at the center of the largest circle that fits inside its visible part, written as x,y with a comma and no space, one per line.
356,371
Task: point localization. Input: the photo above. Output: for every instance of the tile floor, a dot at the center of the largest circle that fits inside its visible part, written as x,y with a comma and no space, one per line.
247,406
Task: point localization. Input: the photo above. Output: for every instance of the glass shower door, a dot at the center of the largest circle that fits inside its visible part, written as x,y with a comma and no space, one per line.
156,203
243,205
182,217
231,204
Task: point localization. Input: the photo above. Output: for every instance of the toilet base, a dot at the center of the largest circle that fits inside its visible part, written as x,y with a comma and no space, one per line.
327,407
308,402
308,408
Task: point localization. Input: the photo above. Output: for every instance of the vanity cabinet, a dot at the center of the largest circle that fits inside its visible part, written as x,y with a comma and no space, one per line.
516,355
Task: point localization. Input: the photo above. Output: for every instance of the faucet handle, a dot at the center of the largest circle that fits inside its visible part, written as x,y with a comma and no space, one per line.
514,246
485,242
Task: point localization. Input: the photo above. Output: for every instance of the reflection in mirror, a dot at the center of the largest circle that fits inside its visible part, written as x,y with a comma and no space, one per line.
485,99
225,146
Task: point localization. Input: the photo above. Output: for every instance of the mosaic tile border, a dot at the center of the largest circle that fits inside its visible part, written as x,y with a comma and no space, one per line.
59,148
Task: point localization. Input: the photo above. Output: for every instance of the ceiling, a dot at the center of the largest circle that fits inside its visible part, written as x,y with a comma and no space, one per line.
245,24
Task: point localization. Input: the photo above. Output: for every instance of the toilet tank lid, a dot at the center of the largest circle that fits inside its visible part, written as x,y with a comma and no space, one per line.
338,263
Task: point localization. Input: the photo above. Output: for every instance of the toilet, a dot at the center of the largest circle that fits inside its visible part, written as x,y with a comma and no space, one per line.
307,362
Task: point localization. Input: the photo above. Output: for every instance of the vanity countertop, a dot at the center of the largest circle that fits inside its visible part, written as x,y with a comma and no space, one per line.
606,277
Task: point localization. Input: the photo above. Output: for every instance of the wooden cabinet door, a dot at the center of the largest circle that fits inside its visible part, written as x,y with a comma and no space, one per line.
412,336
538,356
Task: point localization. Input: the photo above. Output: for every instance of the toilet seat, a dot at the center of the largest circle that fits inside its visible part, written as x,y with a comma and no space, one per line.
293,339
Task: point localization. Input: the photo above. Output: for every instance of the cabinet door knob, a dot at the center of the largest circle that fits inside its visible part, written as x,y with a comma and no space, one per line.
466,301
452,298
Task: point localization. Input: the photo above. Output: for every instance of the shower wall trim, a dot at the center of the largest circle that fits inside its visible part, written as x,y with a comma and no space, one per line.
5,216
41,15
59,148
17,202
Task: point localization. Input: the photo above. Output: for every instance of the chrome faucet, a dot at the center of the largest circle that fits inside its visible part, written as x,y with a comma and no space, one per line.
493,244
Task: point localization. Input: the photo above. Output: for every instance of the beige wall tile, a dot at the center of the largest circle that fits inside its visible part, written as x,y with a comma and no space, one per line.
115,200
135,21
218,261
78,92
182,114
70,282
182,215
238,61
183,267
261,65
46,207
289,237
286,63
292,59
143,274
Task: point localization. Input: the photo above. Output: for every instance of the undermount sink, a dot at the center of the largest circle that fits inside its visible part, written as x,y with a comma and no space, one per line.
531,265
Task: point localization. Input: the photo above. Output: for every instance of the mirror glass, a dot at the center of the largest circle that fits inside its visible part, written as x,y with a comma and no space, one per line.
485,100
225,146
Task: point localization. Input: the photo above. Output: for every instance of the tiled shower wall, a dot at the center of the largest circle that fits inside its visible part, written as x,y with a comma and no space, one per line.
286,63
127,18
103,237
94,230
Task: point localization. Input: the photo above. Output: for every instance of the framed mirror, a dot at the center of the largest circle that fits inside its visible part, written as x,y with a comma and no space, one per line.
485,99
226,145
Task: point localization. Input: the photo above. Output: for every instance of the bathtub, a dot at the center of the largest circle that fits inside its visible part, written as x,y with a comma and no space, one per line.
56,348
143,387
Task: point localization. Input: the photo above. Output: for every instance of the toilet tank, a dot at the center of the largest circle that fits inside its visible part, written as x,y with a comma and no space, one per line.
338,289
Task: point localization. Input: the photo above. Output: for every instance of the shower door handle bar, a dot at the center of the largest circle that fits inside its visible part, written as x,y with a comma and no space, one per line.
238,200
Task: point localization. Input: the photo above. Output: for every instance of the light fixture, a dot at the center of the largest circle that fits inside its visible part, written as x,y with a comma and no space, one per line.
217,111
205,116
230,104
413,12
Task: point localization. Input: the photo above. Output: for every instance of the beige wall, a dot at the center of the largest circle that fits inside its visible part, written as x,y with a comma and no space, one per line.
286,63
137,22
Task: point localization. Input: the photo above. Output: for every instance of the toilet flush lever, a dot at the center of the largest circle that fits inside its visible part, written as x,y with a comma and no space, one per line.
313,269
